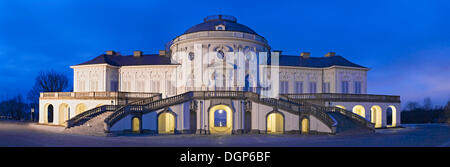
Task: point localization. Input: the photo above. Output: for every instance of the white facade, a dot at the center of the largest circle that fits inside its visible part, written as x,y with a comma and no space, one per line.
325,80
216,60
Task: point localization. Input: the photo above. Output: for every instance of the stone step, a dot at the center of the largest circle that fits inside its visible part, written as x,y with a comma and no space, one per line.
94,126
347,125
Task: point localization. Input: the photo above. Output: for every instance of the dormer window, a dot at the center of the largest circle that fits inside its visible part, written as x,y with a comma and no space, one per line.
220,27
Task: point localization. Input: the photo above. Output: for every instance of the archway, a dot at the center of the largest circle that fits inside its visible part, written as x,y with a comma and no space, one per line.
340,106
391,115
375,115
136,125
50,113
275,123
220,119
360,110
80,108
305,126
166,123
63,113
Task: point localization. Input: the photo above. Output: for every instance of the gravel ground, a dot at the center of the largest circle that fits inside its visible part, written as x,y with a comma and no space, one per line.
18,134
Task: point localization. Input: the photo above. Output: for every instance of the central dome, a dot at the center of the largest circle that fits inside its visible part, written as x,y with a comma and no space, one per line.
227,23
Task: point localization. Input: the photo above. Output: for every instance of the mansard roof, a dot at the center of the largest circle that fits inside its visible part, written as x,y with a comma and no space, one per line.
117,60
316,62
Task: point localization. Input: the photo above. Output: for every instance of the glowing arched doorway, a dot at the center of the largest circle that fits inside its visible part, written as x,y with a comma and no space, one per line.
80,108
305,126
136,125
220,119
63,113
166,123
393,115
275,123
359,109
339,106
375,115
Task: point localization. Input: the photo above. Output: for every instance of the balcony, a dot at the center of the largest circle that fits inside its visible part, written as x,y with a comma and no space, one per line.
327,97
231,34
95,95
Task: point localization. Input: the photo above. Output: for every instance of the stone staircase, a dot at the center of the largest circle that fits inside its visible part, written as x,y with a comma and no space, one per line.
348,126
93,127
98,121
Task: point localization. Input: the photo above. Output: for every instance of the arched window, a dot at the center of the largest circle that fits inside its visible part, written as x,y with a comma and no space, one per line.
359,109
220,27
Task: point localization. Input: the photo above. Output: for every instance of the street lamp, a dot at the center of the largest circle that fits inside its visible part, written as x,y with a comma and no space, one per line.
32,111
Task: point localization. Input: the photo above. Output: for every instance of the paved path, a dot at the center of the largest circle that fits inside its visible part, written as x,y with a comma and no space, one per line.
14,134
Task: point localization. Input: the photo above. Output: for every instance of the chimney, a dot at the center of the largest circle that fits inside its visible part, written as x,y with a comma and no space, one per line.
137,53
110,52
330,54
305,55
162,53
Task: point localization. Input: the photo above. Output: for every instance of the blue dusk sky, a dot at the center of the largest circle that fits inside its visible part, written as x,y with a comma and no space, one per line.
405,43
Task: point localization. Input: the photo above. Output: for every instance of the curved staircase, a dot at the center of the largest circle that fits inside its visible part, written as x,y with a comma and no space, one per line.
93,126
98,121
347,125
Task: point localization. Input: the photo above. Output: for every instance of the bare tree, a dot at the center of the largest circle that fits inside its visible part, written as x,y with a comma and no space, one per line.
13,108
427,105
412,105
47,81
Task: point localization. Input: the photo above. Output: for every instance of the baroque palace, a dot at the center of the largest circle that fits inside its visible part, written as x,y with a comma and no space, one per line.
218,77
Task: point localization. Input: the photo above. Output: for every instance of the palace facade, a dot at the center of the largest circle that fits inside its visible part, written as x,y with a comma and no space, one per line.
219,77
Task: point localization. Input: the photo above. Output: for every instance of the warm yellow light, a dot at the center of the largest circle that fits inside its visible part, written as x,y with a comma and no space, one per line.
394,115
63,113
339,106
375,112
166,123
224,129
359,109
80,108
305,125
275,123
136,125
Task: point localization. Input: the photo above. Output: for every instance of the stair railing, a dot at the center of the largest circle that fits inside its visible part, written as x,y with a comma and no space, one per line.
354,116
142,107
287,104
88,114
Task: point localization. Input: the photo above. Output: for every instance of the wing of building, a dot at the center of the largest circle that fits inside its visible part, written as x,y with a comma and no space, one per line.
219,76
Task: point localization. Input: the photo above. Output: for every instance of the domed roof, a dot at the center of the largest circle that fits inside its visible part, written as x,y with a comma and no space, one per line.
211,22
